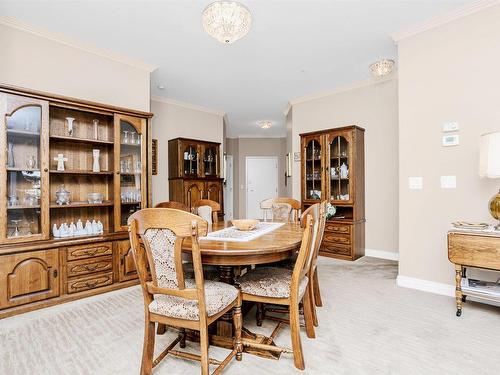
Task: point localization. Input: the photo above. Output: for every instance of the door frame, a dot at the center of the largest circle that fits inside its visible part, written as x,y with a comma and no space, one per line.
229,195
246,177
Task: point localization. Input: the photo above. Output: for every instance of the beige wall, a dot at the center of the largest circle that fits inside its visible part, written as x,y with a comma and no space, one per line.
450,73
34,62
375,108
240,148
172,121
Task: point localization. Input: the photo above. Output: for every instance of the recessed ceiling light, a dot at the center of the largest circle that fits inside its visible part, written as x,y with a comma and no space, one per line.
161,87
265,124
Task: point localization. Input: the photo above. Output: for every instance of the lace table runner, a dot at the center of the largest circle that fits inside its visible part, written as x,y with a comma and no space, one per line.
232,234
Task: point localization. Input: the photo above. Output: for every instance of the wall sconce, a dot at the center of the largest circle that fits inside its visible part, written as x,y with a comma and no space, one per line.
288,166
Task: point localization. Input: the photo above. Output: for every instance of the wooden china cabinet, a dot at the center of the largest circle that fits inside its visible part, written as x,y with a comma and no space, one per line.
332,168
194,171
38,267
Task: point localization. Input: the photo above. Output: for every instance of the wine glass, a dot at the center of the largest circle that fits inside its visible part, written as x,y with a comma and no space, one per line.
16,232
133,138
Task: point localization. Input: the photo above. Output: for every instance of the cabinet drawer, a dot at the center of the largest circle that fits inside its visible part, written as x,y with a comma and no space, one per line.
338,228
89,282
87,251
339,250
337,238
84,267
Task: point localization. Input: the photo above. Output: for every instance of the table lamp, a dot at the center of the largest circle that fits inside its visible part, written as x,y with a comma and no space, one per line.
489,166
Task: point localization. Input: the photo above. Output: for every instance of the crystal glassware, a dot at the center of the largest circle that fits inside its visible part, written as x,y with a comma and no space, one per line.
125,138
133,138
16,232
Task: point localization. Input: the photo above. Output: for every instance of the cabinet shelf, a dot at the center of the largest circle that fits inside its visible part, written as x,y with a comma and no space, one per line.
129,203
83,204
23,207
15,169
63,138
131,145
23,133
105,173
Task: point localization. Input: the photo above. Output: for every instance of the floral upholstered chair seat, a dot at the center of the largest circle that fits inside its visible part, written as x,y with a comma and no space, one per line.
217,297
270,282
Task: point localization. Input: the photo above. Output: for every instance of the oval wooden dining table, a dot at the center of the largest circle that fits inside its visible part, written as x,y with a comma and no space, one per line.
270,247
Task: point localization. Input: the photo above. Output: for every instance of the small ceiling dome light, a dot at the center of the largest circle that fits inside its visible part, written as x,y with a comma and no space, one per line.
226,21
160,87
265,124
382,68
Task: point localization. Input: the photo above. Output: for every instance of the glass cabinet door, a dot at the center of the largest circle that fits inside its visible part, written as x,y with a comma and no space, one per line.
339,177
190,158
130,167
210,161
313,169
24,168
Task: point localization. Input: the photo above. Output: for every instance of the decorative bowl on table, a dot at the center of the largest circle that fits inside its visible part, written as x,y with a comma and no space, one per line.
245,224
94,198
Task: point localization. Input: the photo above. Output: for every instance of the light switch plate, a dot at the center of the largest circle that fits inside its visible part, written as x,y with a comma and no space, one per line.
451,126
451,140
415,183
448,182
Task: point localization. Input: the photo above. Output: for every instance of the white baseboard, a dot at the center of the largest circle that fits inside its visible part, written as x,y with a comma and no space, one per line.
382,254
426,286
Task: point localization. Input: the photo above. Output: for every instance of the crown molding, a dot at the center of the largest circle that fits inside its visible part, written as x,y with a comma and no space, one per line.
188,105
339,90
443,19
59,38
287,109
257,136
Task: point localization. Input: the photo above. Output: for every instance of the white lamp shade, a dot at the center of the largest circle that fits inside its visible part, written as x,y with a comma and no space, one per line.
489,155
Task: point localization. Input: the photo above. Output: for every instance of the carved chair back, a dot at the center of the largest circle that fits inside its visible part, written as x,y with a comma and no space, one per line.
172,204
320,213
213,204
156,236
267,205
281,211
302,264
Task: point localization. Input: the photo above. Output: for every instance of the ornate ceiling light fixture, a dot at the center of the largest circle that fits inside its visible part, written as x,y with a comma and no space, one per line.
265,124
227,21
382,68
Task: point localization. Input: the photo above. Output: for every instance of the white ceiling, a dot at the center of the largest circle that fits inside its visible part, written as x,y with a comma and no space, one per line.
294,48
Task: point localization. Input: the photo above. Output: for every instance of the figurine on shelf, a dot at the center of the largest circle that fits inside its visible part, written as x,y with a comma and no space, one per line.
88,227
30,162
100,227
60,161
10,155
56,232
95,165
344,171
70,125
94,227
72,229
96,129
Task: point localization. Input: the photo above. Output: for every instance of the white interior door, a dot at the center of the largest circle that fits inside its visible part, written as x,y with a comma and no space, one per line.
262,183
228,189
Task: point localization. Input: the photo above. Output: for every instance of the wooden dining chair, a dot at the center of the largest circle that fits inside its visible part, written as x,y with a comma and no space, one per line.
267,205
213,205
318,212
156,236
280,286
172,204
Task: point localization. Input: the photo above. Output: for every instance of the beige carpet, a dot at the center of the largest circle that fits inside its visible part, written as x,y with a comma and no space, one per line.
368,326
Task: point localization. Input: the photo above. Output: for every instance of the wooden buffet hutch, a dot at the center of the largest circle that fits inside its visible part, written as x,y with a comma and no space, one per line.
325,156
37,269
194,172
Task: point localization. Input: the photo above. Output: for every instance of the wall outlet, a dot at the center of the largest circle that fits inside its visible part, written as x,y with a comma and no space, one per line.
415,183
450,127
448,182
451,140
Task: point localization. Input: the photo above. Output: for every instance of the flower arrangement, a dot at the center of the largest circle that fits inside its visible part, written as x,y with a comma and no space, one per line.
330,211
